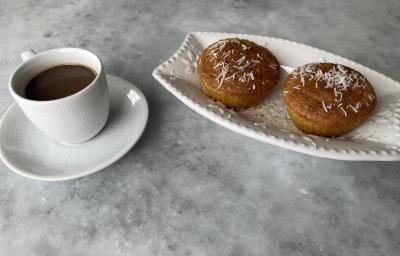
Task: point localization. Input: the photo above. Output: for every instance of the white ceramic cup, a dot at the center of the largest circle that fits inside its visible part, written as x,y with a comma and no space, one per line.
73,119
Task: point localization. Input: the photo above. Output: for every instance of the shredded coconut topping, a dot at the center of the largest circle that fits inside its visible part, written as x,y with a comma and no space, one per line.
339,79
344,111
273,66
241,69
353,108
324,106
240,61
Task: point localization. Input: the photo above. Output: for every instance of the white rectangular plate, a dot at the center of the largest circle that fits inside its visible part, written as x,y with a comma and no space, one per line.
377,139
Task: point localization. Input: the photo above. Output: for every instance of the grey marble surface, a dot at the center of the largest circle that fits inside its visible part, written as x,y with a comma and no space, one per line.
189,186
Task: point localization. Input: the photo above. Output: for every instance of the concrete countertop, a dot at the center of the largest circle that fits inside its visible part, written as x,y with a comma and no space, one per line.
189,186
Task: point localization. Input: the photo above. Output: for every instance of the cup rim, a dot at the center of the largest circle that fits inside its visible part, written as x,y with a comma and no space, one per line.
83,91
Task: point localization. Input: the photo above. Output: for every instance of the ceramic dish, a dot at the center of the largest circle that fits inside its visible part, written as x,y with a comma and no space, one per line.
377,139
30,153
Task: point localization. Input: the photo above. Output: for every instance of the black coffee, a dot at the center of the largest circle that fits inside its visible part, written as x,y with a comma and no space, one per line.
59,82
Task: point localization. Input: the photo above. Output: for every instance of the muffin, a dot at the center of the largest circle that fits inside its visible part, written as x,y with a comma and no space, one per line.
328,99
238,72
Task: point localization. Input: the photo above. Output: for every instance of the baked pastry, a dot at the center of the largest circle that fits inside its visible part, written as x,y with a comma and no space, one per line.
238,72
328,99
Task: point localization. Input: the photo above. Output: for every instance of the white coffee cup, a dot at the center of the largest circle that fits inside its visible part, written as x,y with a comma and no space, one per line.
73,119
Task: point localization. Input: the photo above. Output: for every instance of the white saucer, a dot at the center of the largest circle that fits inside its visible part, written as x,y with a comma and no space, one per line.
30,153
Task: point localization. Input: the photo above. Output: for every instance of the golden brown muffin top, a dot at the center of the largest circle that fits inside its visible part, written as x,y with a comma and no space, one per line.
239,66
329,90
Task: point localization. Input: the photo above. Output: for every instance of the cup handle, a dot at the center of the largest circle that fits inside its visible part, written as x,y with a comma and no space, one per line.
26,55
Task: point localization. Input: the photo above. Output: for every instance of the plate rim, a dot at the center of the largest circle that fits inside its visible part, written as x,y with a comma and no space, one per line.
84,172
289,144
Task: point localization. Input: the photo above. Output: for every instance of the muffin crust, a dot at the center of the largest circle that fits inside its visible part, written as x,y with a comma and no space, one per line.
328,99
238,72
